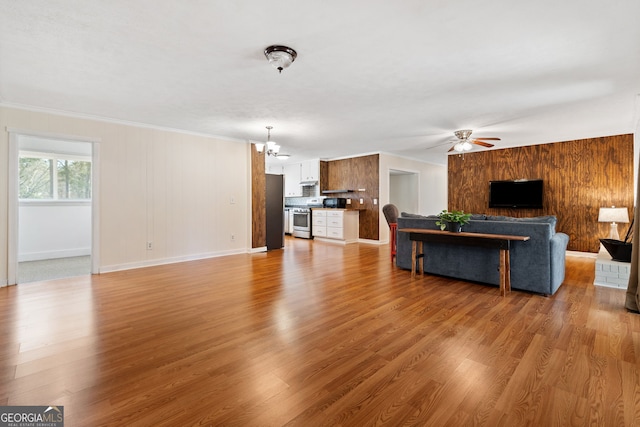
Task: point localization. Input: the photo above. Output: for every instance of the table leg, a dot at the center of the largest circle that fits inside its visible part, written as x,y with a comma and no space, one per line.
421,256
413,259
505,273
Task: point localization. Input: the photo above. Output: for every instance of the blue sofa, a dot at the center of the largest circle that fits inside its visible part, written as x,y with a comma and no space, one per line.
537,265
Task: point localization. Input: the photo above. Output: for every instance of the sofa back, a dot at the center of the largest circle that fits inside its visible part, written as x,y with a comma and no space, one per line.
530,260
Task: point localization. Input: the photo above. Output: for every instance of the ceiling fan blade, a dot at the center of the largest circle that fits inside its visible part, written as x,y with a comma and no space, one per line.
484,144
489,139
440,144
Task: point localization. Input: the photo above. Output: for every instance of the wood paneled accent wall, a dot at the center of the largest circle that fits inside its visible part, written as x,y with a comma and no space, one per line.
358,173
258,200
579,177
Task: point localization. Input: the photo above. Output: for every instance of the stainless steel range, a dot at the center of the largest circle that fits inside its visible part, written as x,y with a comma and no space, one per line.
302,219
302,222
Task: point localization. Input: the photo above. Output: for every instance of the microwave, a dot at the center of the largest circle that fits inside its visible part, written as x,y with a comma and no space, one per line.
335,202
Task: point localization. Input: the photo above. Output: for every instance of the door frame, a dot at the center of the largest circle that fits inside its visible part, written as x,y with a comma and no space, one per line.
13,202
414,174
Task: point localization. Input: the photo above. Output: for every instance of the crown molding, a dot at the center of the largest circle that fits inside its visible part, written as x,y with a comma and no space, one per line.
114,121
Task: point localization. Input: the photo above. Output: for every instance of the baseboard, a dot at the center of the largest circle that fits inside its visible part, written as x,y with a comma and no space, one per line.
332,241
258,250
372,242
164,261
65,253
582,254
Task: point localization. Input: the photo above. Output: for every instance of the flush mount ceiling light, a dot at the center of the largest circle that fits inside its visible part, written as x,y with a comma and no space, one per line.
280,56
272,148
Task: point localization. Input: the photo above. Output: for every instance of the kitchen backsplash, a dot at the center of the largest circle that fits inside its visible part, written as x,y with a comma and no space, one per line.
300,201
309,190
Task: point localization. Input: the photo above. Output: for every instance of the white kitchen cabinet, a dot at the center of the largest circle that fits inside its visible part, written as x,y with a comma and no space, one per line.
292,187
310,170
274,169
339,225
319,222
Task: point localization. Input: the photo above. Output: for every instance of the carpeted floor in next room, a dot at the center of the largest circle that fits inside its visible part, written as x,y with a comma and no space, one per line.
49,269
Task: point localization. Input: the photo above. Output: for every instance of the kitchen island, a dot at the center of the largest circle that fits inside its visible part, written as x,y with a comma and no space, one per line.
335,225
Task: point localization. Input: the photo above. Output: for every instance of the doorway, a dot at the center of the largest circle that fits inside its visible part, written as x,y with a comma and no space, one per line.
404,190
52,224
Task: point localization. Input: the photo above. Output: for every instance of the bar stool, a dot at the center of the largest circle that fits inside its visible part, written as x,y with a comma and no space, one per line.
390,212
393,230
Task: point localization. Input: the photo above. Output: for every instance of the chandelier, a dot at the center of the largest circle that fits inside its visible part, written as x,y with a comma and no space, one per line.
270,147
280,56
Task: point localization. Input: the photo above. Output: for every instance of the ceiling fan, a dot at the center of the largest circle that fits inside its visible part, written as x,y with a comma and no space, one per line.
463,142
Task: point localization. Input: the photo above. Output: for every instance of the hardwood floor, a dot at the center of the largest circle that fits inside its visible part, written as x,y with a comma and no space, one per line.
318,334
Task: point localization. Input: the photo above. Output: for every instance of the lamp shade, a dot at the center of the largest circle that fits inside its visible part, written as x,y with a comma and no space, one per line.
613,214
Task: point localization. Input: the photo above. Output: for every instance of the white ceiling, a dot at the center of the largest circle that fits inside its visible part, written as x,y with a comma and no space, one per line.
374,75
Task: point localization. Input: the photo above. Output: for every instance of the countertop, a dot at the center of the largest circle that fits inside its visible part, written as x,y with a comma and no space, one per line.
340,209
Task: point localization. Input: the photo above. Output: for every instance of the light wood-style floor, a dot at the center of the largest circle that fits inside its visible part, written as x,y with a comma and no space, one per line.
318,334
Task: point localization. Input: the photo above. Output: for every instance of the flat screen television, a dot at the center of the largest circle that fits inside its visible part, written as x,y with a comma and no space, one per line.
520,193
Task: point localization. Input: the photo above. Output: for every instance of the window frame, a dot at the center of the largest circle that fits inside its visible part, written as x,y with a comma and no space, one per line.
55,157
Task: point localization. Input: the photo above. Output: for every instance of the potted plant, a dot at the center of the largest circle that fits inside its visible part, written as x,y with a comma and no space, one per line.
452,220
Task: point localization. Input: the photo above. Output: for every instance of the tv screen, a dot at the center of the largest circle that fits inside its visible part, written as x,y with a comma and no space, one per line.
520,193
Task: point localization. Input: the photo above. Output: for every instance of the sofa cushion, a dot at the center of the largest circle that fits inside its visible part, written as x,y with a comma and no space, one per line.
478,217
475,217
410,215
545,219
497,218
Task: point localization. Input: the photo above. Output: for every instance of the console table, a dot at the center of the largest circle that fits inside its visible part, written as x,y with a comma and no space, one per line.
495,241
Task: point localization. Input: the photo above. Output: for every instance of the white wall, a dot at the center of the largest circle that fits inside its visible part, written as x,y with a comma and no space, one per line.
54,230
432,186
185,193
404,191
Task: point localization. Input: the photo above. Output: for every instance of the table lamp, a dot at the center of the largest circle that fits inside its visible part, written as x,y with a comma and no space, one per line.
613,215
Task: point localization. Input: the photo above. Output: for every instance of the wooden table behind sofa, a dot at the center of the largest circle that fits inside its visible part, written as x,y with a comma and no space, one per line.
497,241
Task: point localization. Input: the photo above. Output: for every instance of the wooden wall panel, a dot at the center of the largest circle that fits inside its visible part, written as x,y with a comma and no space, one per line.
324,175
579,177
258,200
359,173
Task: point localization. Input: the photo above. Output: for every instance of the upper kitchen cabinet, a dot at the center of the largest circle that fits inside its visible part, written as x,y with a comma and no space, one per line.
274,169
310,171
292,173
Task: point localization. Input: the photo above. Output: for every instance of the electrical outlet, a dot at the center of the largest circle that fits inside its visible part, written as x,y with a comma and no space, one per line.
348,201
361,201
149,246
233,237
232,201
375,201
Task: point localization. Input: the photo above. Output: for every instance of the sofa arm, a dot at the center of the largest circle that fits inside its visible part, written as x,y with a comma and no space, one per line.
558,249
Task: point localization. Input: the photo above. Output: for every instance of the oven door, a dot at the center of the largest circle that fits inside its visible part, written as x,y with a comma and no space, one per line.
302,224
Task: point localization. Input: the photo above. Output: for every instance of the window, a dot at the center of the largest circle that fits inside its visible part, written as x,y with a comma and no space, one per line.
49,176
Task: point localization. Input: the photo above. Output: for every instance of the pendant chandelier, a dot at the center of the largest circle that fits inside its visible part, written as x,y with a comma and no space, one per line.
272,148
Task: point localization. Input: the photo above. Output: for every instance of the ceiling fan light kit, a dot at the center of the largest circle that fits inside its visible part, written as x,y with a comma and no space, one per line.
463,146
280,56
463,142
